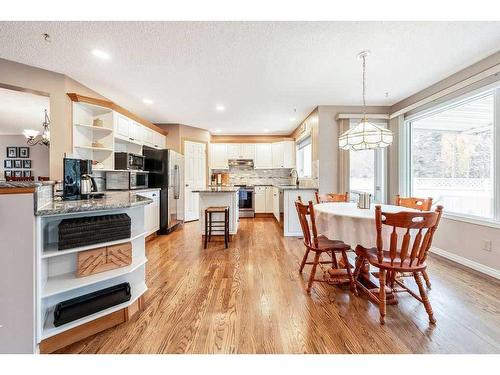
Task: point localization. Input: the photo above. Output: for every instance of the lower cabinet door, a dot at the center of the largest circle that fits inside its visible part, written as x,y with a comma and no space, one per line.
276,203
260,201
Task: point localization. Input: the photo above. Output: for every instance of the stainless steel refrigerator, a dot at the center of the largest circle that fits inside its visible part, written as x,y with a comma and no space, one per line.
166,171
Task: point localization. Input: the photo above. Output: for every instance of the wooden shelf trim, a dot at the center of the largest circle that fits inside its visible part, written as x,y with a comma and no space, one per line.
17,190
115,107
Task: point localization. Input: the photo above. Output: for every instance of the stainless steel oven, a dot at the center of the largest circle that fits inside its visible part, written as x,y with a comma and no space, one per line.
246,201
126,180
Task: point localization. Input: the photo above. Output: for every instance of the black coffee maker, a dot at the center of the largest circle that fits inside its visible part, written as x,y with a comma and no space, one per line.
74,171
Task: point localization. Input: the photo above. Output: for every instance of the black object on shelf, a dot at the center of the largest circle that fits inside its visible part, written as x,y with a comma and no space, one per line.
92,230
91,303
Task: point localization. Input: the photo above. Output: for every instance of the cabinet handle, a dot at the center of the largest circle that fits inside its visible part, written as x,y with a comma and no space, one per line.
131,139
154,195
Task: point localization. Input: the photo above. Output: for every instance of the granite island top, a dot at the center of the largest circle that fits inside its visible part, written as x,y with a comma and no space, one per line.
13,187
218,189
110,201
294,187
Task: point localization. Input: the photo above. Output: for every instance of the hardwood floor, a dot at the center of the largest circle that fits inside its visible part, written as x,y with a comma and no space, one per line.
250,298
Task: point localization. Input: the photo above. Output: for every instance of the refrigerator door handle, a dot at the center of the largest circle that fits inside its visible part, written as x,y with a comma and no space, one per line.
177,182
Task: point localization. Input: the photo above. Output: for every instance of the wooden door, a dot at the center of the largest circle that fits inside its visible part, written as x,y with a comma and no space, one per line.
195,177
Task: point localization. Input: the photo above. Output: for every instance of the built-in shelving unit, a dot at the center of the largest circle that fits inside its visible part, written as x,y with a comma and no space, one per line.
57,280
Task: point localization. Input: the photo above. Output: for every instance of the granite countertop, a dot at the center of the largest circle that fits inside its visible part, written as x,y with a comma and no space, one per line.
218,189
18,187
294,187
110,201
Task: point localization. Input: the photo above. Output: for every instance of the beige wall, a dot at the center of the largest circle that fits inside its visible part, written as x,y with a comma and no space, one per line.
456,237
56,85
39,155
178,133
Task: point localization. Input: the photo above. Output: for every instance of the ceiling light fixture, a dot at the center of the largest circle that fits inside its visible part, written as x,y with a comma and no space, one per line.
366,135
220,108
266,130
101,54
35,138
147,101
218,130
292,119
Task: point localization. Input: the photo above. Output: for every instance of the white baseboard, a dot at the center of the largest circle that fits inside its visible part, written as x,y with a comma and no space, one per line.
466,262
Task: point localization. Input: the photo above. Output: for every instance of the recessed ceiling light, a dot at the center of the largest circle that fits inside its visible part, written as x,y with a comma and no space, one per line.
101,54
147,101
266,130
292,119
220,108
218,130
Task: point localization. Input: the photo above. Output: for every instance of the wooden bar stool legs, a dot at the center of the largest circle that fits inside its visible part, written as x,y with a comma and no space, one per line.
217,225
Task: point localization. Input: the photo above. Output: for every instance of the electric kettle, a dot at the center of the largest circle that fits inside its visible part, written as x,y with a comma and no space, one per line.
87,184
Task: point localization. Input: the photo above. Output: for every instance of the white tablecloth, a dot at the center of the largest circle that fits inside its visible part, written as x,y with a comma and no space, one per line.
346,222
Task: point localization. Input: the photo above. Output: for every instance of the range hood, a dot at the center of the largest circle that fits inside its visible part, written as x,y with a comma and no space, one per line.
241,163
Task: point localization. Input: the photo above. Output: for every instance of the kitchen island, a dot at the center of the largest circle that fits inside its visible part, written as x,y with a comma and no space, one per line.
217,196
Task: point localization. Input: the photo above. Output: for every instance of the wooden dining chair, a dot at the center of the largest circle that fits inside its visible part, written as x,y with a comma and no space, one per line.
331,197
319,245
422,204
406,259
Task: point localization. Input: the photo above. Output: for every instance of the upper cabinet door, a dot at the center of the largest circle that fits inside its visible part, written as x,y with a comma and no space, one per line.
218,156
247,150
122,126
278,155
149,135
159,141
234,151
289,154
136,134
263,156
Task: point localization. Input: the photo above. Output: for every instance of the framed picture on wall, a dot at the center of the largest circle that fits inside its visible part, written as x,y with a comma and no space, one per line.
7,164
18,163
18,173
8,174
24,152
26,173
27,164
12,152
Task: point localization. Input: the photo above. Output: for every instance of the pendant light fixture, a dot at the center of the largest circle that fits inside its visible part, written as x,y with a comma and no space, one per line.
366,135
34,137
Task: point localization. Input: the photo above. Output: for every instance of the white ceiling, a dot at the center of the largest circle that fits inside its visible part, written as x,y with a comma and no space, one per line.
21,110
260,71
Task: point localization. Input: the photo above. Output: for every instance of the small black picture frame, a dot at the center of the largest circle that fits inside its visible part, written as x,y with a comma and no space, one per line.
18,163
11,152
23,152
27,164
18,173
7,164
26,173
7,174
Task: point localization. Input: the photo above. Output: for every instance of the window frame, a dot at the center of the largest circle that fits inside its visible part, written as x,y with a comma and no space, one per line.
405,156
300,144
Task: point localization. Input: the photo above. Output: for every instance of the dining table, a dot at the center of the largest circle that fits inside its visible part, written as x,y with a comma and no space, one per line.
356,226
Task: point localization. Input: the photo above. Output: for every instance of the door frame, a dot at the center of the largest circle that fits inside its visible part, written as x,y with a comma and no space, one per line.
207,177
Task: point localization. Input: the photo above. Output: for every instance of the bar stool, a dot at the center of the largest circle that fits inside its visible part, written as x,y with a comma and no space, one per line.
209,223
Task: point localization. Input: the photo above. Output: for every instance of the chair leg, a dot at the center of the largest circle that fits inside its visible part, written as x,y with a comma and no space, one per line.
206,229
335,264
382,302
313,271
426,278
425,298
226,223
304,260
349,273
209,226
357,267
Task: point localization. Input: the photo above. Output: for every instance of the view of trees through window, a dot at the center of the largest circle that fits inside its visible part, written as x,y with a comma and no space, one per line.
452,156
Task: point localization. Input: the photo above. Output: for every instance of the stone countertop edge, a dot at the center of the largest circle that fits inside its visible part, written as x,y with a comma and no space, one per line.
221,189
111,203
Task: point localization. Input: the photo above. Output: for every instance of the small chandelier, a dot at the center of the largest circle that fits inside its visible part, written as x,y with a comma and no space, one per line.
366,135
35,138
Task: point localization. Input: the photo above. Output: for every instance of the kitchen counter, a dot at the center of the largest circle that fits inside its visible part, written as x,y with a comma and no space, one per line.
294,187
110,201
218,189
18,187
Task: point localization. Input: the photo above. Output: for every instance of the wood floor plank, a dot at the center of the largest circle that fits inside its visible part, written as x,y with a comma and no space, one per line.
250,298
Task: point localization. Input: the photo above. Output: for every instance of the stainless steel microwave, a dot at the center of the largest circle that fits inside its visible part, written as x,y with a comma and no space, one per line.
128,161
126,180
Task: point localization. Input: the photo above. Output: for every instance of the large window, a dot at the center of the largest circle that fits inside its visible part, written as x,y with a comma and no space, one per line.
452,156
366,170
304,157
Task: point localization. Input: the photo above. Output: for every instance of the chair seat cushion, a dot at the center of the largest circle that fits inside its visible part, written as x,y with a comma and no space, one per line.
371,255
325,244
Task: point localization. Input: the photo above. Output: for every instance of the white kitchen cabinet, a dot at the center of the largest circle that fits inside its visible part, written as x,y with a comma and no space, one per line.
260,199
151,212
159,141
276,203
247,150
291,224
269,199
277,155
289,154
122,126
233,150
263,156
149,136
136,133
218,156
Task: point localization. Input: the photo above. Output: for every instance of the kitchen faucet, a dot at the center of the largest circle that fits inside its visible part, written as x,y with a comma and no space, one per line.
295,177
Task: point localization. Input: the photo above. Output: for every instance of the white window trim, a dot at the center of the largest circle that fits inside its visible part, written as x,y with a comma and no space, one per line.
297,144
404,157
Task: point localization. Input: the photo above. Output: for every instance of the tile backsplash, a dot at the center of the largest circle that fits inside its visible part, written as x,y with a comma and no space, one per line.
241,176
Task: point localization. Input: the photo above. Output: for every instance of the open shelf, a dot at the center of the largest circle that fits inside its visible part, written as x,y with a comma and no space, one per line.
68,281
95,148
98,128
50,330
52,251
